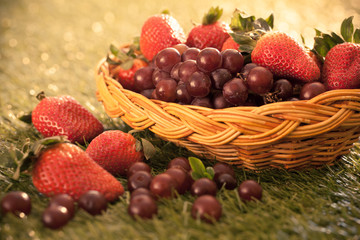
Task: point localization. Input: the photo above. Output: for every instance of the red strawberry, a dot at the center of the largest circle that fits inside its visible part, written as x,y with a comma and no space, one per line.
159,32
211,33
285,57
115,151
230,44
126,76
64,116
66,168
342,66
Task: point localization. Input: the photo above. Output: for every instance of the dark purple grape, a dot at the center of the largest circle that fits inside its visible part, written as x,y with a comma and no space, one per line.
250,190
233,60
138,166
198,85
235,91
181,47
246,69
181,162
139,179
142,206
143,78
147,93
159,75
254,100
93,202
140,191
312,89
207,208
166,59
260,80
182,94
203,186
64,200
226,179
186,69
166,90
163,186
221,167
283,89
209,59
55,216
219,77
202,102
190,54
174,73
16,202
219,102
183,179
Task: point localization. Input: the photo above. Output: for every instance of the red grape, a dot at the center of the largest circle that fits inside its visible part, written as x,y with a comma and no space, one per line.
260,80
235,91
207,208
199,84
209,59
143,79
166,59
190,54
159,75
219,77
283,89
202,102
312,89
232,60
182,94
186,69
166,90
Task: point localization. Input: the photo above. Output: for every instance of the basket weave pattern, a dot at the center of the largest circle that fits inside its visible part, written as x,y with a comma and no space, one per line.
291,135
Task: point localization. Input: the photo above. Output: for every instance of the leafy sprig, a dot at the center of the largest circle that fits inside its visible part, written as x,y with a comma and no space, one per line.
323,42
199,170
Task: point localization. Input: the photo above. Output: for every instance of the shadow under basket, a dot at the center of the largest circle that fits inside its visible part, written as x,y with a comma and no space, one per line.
290,135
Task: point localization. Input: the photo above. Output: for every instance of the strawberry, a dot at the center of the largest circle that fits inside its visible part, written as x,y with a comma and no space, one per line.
158,32
126,76
115,151
230,44
285,57
211,33
124,62
66,168
342,67
64,116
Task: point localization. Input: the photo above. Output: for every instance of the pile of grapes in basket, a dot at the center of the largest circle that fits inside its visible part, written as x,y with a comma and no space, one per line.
243,63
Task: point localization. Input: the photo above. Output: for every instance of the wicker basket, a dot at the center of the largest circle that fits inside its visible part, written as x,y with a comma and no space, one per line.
291,135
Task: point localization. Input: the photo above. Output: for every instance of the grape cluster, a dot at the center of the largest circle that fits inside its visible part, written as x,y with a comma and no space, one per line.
214,79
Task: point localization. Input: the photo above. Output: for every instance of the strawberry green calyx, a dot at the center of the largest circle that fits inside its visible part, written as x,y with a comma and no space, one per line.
212,16
247,30
242,23
323,42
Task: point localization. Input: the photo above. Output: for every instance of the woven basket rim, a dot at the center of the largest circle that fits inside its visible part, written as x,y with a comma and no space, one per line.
249,129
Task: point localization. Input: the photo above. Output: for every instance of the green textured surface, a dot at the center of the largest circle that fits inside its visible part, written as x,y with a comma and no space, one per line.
55,45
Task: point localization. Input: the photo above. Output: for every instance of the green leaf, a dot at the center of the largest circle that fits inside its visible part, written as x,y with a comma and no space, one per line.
127,64
337,38
321,46
114,50
26,118
329,40
262,24
356,36
196,175
347,29
148,148
212,16
270,20
240,23
317,32
210,171
197,165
